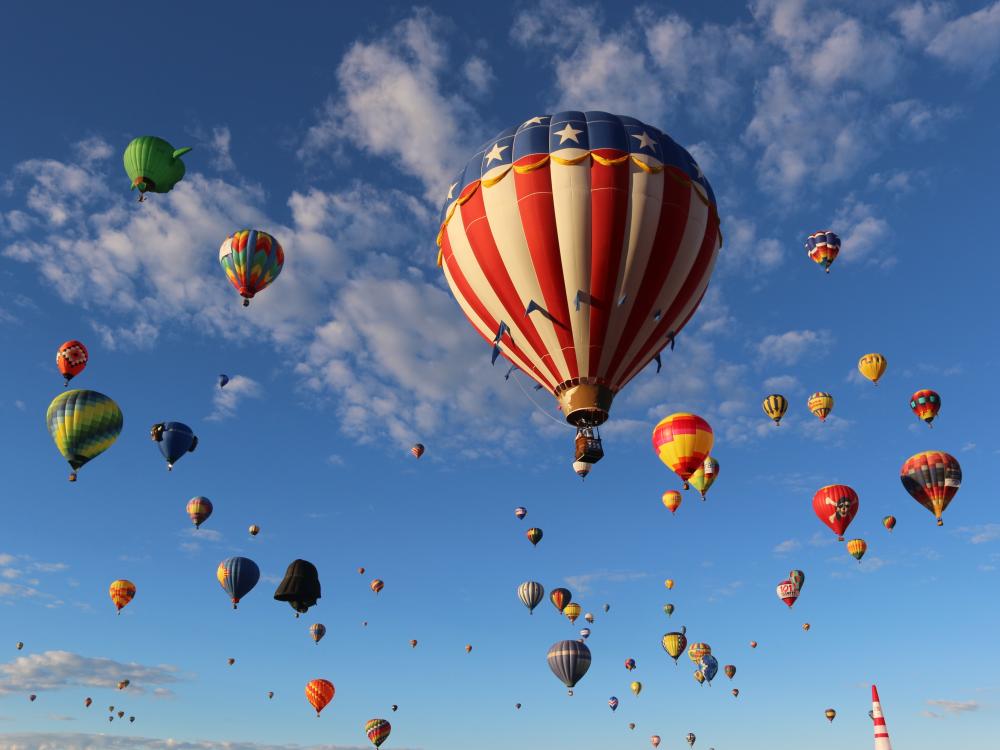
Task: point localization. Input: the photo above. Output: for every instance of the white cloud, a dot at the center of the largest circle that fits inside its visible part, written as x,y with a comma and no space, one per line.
226,400
782,384
954,707
92,149
790,347
479,74
982,533
54,670
219,146
789,545
921,21
587,582
746,252
139,335
862,232
82,741
970,42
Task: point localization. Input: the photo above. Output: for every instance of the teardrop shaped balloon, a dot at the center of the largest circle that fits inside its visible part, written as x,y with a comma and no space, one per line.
569,661
820,404
589,617
691,739
572,611
377,731
730,671
377,585
674,644
174,439
830,714
753,644
932,478
668,609
669,583
87,703
636,687
629,664
655,740
683,441
534,536
413,643
252,260
585,633
775,407
889,522
699,676
872,366
417,450
121,593
613,703
317,631
672,500
735,692
254,529
560,598
797,577
237,576
788,592
806,626
708,665
71,359
223,380
468,648
836,505
83,425
230,661
823,248
520,512
925,404
705,476
319,693
530,593
857,548
199,509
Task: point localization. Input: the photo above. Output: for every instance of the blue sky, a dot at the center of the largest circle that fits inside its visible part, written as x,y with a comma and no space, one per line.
338,130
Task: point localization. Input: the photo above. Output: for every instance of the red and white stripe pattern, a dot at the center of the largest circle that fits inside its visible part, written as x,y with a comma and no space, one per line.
637,235
881,732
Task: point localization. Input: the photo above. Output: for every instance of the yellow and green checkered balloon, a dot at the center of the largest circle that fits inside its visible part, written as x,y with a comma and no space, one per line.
83,425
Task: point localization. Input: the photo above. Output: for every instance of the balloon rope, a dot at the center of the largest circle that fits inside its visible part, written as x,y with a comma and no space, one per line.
535,404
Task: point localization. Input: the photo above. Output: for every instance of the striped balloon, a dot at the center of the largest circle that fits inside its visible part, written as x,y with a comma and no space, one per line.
71,359
520,512
705,476
377,585
925,404
613,703
121,593
698,650
889,522
560,597
319,693
823,248
83,425
820,404
569,661
534,536
932,478
237,576
674,644
199,509
417,450
857,548
252,260
872,366
572,611
683,441
377,731
530,593
317,631
578,244
775,407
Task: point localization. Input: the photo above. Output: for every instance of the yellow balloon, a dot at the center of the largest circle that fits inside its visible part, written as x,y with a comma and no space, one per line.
672,500
872,366
636,687
775,407
572,611
669,583
820,404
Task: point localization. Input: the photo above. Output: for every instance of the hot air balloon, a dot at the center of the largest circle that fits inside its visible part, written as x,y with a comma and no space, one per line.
672,500
270,694
735,692
699,676
788,592
668,609
572,611
131,719
607,608
377,585
199,509
300,587
32,697
530,593
71,359
629,664
83,425
775,407
174,439
636,688
111,709
709,666
582,468
613,703
932,478
377,731
121,593
683,441
830,714
254,529
413,643
705,476
589,617
585,633
395,707
655,740
121,714
361,571
691,739
753,644
631,725
534,536
319,693
730,671
578,245
569,661
517,706
468,648
925,404
237,576
797,577
806,626
820,404
317,630
836,505
823,247
889,522
520,512
153,165
669,583
223,380
252,260
111,718
417,450
857,548
122,684
20,645
872,366
87,702
698,650
674,644
560,598
230,661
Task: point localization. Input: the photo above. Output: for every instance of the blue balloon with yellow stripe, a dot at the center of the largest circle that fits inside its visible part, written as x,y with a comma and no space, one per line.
83,425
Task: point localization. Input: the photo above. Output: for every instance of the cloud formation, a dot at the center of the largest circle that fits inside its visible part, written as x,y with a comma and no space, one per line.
55,670
82,741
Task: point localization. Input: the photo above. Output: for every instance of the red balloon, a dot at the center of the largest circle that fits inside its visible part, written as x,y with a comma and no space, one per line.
836,505
788,592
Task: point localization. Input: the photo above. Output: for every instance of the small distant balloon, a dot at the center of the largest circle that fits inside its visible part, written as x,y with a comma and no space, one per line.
223,380
630,664
672,500
270,694
735,692
889,522
361,571
534,536
607,608
32,697
572,611
317,631
668,609
520,512
589,617
174,439
753,644
413,643
199,509
806,626
122,684
254,529
517,706
655,740
631,725
468,648
230,661
830,714
87,702
121,593
691,738
20,645
857,548
395,707
669,583
636,687
417,450
613,703
585,633
377,585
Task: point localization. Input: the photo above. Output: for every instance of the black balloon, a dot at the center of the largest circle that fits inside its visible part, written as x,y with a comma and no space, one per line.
300,587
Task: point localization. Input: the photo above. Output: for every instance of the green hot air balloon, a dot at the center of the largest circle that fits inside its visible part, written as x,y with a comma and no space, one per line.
153,165
83,425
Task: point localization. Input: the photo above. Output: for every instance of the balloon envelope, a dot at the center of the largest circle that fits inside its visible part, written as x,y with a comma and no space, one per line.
569,661
83,425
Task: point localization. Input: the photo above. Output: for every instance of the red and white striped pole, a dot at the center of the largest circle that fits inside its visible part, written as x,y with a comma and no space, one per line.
881,732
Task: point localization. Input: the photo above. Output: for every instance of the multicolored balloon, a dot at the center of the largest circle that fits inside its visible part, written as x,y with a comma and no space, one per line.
520,512
730,671
672,500
378,731
697,650
655,740
629,664
199,509
560,598
932,478
569,661
572,611
534,536
668,609
174,439
377,585
836,505
71,359
121,593
582,468
585,633
613,703
319,693
735,692
83,424
788,592
252,260
830,714
705,476
530,593
823,248
925,404
254,529
709,666
417,450
468,648
872,366
820,404
889,522
857,548
674,644
775,407
797,577
317,631
683,441
237,576
699,676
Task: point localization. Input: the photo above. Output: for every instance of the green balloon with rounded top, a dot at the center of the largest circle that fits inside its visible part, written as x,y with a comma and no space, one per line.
153,165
